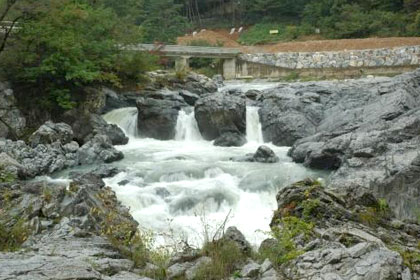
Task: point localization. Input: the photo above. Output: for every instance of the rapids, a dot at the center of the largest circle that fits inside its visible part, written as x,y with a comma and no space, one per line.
184,189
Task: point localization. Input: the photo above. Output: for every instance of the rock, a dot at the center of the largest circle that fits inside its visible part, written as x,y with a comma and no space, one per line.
265,155
10,167
265,266
352,128
253,94
74,247
220,113
101,127
115,100
43,159
99,150
229,139
86,125
12,121
190,98
51,132
345,243
219,80
251,270
193,82
105,171
267,244
233,234
199,84
191,273
157,118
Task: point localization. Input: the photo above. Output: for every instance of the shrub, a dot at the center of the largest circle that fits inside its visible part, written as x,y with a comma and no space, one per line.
225,255
6,176
285,249
13,236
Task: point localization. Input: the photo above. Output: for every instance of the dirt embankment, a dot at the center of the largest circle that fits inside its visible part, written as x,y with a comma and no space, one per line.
222,37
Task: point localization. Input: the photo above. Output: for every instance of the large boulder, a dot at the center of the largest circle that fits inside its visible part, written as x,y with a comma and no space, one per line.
230,139
51,132
287,115
220,113
158,115
86,125
12,121
99,150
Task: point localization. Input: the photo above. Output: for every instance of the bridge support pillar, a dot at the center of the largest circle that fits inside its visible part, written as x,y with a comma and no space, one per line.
182,64
229,68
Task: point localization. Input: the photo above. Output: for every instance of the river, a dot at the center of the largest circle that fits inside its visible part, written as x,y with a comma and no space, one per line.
185,189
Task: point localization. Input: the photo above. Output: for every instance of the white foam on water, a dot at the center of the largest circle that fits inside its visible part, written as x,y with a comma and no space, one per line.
186,188
253,125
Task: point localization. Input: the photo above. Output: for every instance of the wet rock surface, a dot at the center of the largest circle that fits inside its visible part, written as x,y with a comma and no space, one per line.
219,113
366,131
158,114
263,154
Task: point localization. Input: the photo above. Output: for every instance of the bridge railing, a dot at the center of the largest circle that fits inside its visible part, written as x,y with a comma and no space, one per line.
194,51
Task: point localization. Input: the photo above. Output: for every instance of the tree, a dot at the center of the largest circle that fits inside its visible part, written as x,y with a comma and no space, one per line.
68,45
163,21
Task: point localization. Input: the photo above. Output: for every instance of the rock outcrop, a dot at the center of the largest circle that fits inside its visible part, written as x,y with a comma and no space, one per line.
221,113
366,131
12,121
158,114
51,149
68,233
351,236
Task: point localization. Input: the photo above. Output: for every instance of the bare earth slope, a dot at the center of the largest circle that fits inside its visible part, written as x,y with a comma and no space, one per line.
222,36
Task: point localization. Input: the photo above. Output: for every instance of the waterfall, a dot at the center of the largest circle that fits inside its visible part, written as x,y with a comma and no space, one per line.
125,118
253,125
186,126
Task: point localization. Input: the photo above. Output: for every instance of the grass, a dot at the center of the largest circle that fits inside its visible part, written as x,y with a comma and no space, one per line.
12,237
6,176
285,248
260,33
225,255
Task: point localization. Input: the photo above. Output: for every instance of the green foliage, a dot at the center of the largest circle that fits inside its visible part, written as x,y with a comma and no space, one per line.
13,234
66,45
6,176
285,248
309,208
225,255
163,21
411,258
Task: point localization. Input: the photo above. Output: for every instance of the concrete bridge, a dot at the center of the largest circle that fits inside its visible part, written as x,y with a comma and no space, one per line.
183,53
336,64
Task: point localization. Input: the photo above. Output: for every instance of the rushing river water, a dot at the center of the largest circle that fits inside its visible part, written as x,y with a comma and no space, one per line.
185,189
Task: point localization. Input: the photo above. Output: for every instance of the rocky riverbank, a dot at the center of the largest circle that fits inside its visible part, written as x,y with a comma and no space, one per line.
360,225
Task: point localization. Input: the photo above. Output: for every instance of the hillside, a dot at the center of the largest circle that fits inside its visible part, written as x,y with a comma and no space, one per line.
222,37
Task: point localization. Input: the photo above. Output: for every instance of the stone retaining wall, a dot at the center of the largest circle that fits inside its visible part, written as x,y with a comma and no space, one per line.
395,57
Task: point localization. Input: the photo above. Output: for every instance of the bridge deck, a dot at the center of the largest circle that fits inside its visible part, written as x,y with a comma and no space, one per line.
189,51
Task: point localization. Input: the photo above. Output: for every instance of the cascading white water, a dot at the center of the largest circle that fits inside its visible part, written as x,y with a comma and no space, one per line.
125,118
253,125
187,187
186,126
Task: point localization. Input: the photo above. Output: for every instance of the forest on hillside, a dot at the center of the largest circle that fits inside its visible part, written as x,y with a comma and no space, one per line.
62,45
